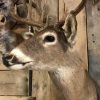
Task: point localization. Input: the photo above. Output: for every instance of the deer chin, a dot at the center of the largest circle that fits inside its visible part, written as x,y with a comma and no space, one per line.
21,66
16,67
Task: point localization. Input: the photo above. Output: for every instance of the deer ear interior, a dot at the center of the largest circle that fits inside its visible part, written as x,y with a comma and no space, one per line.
70,28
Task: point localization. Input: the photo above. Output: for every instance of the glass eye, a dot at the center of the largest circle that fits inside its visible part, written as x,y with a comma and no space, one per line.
49,38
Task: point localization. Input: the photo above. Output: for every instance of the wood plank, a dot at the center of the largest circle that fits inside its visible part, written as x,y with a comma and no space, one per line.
41,85
61,9
13,83
93,30
16,98
52,11
2,67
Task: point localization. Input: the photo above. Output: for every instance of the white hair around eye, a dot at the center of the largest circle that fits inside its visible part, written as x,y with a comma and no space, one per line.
49,38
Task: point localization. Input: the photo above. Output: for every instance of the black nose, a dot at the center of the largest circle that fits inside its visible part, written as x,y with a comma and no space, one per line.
3,20
9,60
2,4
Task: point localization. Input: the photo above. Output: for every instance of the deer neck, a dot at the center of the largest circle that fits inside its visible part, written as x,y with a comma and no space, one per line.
70,81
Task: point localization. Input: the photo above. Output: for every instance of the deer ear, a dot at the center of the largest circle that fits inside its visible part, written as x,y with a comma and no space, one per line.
70,28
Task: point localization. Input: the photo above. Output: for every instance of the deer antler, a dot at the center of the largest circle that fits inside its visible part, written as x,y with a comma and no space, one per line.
24,20
79,7
31,23
74,12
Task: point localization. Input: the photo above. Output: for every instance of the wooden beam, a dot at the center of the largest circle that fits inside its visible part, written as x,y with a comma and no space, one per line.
14,83
16,98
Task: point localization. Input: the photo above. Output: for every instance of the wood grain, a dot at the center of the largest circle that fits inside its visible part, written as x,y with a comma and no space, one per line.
16,98
14,83
93,30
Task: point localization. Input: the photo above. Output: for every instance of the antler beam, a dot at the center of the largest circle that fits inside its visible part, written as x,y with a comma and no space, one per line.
74,12
79,7
24,21
27,20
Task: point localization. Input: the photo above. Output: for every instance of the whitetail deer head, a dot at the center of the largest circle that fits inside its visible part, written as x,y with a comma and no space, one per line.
49,49
50,46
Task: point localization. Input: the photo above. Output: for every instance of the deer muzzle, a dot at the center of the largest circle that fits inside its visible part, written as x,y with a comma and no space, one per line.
13,61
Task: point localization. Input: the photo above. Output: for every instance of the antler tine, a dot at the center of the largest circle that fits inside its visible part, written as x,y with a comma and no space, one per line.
74,12
27,21
79,7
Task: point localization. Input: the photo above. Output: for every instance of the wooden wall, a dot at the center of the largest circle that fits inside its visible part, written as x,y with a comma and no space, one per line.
24,85
93,32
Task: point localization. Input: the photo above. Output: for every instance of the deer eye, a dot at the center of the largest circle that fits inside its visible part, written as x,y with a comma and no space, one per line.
49,38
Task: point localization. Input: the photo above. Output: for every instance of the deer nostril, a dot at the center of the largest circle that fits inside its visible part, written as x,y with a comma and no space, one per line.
2,4
3,19
11,59
8,57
